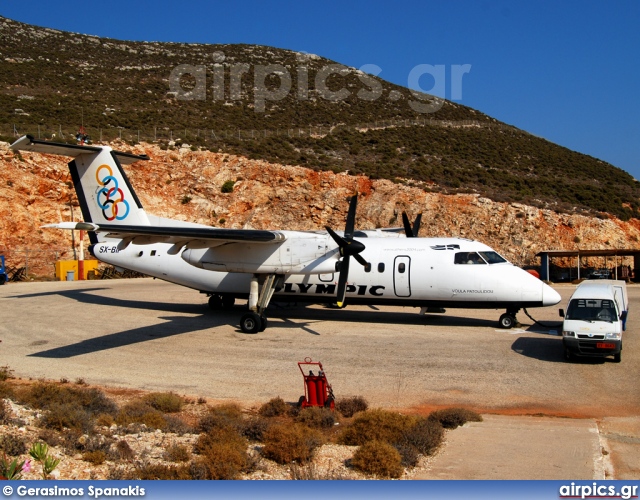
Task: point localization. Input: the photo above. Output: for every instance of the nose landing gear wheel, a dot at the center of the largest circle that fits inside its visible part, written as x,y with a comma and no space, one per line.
507,321
251,323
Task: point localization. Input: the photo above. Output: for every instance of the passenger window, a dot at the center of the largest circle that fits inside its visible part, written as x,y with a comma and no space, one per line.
401,267
381,267
367,268
153,252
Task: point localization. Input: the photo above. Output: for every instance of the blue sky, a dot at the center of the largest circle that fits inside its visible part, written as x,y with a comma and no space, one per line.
568,71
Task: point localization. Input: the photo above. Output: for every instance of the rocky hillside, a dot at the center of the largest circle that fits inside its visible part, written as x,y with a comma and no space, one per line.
187,185
287,107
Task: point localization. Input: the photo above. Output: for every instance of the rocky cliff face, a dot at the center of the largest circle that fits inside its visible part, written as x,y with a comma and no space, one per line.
186,185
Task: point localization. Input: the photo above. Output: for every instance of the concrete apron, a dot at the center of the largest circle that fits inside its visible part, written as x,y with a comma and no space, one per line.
508,447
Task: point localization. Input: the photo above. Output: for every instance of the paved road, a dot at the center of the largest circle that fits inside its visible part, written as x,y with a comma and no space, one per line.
152,335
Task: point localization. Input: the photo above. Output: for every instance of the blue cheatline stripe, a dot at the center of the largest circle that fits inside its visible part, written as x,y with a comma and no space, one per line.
335,490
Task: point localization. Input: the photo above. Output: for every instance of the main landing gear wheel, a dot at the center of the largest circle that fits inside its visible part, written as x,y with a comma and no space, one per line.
251,322
507,321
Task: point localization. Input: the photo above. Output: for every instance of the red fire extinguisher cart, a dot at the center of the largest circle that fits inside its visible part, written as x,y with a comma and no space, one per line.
317,391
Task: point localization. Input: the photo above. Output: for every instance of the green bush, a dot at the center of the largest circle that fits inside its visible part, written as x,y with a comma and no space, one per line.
227,187
285,443
450,418
379,459
376,425
166,402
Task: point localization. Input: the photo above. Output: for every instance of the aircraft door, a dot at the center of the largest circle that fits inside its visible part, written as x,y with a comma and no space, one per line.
402,276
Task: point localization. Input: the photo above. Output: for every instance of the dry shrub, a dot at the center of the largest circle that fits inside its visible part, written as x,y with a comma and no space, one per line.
123,451
223,416
223,454
6,391
96,457
43,395
66,415
5,412
378,425
177,453
450,418
348,407
284,443
275,407
105,420
139,412
5,373
379,459
159,471
254,428
425,436
315,416
13,445
166,402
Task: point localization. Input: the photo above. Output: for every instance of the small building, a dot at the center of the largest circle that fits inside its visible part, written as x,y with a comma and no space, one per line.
615,262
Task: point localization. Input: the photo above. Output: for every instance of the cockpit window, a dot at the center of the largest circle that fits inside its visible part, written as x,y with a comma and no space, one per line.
493,257
468,258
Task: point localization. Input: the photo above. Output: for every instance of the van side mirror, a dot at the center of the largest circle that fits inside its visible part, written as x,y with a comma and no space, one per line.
561,312
623,316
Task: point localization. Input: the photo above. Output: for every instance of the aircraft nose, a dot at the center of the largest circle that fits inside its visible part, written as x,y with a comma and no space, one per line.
549,296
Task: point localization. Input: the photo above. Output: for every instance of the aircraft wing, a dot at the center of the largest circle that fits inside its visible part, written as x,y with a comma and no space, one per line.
176,234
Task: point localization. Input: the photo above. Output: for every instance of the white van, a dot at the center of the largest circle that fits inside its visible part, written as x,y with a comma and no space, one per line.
595,319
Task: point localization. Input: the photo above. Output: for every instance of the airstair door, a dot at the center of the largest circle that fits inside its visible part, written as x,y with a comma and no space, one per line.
402,276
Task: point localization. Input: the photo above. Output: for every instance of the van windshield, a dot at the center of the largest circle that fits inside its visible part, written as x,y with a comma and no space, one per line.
592,310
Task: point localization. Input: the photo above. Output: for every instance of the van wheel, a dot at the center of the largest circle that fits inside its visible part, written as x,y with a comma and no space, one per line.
617,357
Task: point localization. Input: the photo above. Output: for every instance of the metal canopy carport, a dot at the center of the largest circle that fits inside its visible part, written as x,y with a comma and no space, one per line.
547,255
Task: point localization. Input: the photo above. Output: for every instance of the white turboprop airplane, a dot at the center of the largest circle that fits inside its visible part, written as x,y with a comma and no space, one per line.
305,266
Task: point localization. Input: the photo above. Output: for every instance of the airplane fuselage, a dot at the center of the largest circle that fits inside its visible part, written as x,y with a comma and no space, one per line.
421,272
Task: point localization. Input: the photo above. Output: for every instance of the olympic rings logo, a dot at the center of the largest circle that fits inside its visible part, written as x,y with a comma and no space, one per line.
110,197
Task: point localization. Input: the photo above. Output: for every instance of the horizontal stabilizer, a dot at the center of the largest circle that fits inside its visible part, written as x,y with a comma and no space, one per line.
29,143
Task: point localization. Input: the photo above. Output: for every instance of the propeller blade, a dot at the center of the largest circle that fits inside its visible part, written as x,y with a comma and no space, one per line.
361,260
411,232
348,247
338,239
416,225
408,231
342,281
351,218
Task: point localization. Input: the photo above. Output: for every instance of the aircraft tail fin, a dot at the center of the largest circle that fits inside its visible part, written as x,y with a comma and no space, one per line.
104,191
